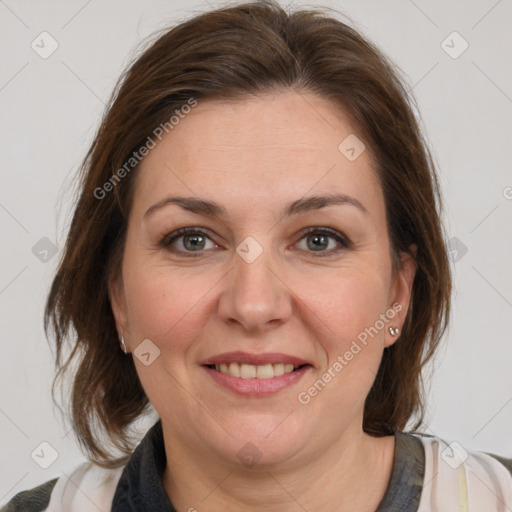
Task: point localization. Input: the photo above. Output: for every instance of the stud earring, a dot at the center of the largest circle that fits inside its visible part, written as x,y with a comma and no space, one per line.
394,331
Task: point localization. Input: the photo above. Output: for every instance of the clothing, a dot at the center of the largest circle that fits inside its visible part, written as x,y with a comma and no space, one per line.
427,476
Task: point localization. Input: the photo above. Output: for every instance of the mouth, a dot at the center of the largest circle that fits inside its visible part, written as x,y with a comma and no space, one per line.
256,374
251,371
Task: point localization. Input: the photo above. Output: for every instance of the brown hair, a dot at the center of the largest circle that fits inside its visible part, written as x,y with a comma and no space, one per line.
230,53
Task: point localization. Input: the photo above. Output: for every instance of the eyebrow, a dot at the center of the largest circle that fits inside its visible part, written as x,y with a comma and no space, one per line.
301,206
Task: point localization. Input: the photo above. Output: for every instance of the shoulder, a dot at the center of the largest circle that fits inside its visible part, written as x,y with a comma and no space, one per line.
458,477
87,487
32,500
506,462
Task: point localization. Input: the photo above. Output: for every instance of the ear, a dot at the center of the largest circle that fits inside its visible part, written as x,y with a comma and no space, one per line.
401,291
118,304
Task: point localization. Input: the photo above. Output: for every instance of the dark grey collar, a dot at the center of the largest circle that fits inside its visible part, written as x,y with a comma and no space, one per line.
404,489
140,487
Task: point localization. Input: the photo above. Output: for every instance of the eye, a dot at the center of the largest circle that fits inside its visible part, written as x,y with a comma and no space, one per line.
319,239
187,240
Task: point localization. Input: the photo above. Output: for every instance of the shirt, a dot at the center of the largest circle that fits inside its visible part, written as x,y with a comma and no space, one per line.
428,475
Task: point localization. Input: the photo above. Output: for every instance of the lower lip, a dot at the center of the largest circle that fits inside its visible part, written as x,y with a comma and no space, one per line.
257,387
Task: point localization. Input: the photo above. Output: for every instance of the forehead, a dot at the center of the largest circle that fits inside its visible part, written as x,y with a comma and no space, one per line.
278,145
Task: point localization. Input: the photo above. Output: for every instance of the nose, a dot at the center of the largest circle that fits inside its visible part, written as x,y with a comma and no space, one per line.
255,296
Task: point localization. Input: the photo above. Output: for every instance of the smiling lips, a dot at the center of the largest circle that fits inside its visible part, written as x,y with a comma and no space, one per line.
255,374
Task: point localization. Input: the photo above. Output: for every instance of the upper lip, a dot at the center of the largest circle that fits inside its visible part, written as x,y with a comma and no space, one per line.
254,359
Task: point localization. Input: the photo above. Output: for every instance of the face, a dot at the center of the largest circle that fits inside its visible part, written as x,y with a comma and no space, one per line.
263,279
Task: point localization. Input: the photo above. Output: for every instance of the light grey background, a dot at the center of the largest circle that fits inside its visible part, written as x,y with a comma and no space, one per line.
50,109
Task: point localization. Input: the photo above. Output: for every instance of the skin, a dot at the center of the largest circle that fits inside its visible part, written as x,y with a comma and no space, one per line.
254,156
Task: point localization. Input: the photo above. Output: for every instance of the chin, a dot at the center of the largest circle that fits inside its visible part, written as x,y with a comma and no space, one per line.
262,443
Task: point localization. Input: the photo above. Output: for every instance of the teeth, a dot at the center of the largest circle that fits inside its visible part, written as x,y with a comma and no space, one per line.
234,369
250,371
247,371
264,372
278,369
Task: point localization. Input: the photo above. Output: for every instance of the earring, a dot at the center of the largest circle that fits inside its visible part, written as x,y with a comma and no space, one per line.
123,345
394,331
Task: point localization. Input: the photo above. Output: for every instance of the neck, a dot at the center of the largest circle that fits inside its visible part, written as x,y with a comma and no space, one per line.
352,474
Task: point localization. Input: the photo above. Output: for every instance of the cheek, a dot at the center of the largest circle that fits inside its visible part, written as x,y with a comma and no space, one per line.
165,305
352,341
347,306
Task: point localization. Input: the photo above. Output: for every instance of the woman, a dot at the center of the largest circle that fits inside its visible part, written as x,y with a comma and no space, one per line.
257,254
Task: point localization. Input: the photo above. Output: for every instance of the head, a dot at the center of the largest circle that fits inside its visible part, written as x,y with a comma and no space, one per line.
257,111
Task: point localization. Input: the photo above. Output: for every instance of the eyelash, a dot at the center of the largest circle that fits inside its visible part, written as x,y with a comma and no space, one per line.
168,239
